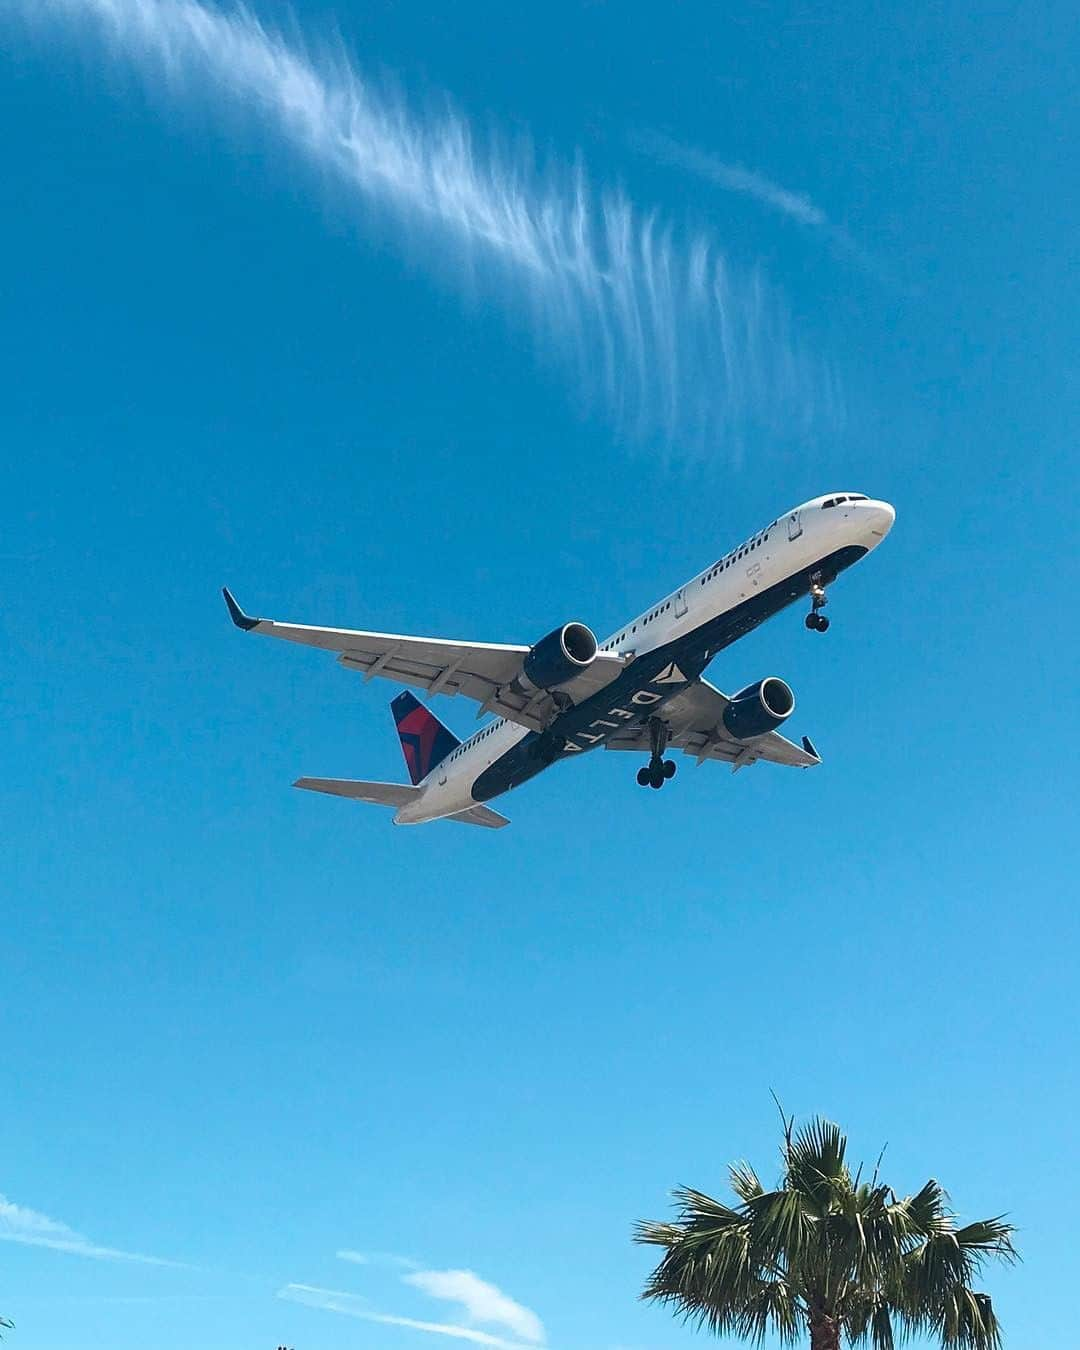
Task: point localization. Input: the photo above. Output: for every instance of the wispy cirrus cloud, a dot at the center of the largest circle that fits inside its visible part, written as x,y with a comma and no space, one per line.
32,1229
480,1301
352,1305
658,323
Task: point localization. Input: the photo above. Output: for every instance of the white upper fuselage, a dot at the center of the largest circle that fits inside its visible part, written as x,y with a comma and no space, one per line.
787,546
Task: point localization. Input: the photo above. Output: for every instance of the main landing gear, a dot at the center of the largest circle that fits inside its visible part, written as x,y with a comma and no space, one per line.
659,769
814,620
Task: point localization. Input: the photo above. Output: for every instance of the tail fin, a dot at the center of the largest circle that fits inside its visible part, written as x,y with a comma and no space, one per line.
425,742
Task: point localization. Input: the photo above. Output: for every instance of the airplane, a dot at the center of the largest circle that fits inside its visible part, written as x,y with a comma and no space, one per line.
640,690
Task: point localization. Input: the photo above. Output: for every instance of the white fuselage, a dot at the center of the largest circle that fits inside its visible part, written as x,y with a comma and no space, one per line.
789,545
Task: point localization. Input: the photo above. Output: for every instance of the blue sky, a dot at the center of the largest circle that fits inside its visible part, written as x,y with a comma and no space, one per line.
348,319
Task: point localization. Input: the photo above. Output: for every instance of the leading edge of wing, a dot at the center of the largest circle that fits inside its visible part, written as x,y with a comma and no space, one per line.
344,639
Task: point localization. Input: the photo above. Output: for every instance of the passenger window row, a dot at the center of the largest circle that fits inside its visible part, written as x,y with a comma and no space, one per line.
727,562
480,735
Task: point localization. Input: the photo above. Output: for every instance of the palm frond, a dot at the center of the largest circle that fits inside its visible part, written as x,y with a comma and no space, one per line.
930,1269
881,1328
868,1317
777,1226
815,1163
772,1308
699,1217
707,1283
744,1181
988,1237
925,1213
968,1321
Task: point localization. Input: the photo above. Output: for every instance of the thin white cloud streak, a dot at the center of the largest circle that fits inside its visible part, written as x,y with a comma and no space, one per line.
796,206
351,1305
676,341
32,1229
377,1259
733,177
447,1329
481,1302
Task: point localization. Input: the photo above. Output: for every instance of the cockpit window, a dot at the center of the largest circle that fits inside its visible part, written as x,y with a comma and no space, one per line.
858,497
831,502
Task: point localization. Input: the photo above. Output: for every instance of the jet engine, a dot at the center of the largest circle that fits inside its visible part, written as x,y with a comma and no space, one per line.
759,708
560,656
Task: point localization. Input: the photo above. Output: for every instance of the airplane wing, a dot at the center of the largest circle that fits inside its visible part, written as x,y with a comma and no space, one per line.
696,728
487,672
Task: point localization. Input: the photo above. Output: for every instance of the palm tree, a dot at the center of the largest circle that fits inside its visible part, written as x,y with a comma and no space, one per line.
828,1253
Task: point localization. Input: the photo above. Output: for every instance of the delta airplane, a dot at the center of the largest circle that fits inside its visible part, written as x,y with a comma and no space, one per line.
641,690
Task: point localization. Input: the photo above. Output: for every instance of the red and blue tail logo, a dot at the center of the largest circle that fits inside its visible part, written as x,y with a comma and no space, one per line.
425,742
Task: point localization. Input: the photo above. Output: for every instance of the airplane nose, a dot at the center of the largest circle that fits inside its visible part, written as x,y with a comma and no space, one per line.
884,515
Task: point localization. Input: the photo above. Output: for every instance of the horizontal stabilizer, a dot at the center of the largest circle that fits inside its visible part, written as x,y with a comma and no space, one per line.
481,815
382,794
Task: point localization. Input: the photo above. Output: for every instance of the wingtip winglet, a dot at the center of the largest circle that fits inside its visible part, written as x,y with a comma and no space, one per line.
808,746
237,615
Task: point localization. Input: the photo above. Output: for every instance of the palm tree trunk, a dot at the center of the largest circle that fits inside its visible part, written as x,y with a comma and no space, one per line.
824,1332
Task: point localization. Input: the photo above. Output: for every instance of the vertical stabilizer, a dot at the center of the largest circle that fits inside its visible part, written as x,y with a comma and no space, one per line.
425,742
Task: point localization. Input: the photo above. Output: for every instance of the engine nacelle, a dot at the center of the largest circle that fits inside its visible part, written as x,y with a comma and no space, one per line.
560,656
759,708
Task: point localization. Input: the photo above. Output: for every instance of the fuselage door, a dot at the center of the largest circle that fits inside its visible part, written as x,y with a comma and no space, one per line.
680,603
794,525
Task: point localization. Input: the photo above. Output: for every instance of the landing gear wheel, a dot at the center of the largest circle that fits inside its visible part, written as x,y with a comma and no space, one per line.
656,776
643,777
669,768
818,600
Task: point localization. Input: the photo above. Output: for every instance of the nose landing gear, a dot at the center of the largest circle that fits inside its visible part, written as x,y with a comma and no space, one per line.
814,620
659,769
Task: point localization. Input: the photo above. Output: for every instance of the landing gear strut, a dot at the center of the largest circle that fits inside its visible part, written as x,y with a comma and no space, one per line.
818,599
659,769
